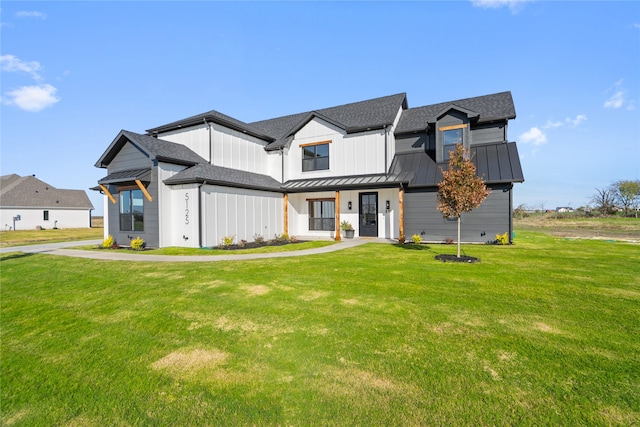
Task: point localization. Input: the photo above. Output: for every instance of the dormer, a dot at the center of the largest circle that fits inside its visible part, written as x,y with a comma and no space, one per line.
452,126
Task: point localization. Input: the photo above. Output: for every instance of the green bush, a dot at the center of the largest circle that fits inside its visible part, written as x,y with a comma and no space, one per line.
416,239
227,241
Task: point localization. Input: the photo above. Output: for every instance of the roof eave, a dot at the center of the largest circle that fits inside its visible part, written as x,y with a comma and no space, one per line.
206,119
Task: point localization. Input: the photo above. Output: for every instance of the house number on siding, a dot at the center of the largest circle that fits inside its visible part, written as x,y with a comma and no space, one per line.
186,209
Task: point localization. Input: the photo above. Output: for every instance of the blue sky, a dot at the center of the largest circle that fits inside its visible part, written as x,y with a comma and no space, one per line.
75,73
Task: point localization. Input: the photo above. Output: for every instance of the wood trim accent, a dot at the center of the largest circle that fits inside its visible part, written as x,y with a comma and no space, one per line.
106,191
310,144
326,199
286,213
442,129
144,190
401,237
337,216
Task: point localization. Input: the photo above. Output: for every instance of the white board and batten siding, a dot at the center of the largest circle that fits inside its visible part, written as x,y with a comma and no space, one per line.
230,148
240,213
355,154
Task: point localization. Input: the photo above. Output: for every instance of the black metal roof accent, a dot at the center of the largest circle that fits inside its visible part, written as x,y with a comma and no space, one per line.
495,163
347,182
143,175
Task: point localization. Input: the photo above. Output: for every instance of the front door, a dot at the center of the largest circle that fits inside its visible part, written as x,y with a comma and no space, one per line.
369,214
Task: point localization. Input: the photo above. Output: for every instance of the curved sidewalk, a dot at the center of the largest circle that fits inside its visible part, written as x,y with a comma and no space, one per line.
59,249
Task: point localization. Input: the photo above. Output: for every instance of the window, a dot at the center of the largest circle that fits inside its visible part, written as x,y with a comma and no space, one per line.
45,216
322,215
450,138
315,157
131,210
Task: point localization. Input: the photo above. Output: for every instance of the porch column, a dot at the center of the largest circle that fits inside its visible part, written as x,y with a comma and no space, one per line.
337,216
401,215
286,213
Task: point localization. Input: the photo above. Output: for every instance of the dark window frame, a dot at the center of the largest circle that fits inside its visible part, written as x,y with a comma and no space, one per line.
45,215
456,136
131,210
315,156
325,219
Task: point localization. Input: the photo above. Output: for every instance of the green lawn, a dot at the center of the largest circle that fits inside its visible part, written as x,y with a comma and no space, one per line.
544,332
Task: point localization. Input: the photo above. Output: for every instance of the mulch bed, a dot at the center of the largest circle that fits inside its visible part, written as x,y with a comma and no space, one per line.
251,245
453,258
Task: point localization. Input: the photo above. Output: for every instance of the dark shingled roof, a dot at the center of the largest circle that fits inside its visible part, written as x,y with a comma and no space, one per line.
29,191
218,175
495,163
498,106
154,148
354,117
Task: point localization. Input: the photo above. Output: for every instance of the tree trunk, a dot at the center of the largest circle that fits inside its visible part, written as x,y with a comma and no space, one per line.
458,236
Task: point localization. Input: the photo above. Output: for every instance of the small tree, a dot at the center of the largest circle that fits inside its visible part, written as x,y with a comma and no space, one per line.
460,190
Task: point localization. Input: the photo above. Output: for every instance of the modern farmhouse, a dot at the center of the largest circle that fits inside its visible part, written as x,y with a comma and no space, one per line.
374,163
27,203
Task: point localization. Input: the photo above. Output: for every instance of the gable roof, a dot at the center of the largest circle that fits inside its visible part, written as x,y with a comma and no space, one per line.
29,191
353,117
154,148
495,163
497,106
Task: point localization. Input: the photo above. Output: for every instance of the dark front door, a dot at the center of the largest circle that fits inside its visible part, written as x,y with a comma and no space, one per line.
369,214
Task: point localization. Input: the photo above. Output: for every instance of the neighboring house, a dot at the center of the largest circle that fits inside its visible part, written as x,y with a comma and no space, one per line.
27,203
374,163
564,209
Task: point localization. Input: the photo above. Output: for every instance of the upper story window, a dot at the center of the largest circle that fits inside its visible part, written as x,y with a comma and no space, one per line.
315,156
451,135
131,210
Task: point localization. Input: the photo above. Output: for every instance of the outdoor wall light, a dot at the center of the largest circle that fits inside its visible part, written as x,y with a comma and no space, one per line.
349,205
388,205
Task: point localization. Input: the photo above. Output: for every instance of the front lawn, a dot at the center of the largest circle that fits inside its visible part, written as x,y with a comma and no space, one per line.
544,332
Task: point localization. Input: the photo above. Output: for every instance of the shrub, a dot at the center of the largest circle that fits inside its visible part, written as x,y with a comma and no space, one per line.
227,241
282,237
138,244
242,243
449,241
502,239
258,238
416,238
109,242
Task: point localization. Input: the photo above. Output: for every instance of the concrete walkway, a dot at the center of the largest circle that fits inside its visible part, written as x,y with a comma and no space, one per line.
109,255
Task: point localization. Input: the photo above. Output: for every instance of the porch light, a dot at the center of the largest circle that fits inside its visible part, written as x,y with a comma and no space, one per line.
349,205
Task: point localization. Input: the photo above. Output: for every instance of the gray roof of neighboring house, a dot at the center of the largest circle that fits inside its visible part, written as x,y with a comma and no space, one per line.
29,191
154,148
498,106
217,175
495,163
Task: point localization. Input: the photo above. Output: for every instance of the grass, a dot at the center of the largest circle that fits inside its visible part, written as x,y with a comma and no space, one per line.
34,237
544,332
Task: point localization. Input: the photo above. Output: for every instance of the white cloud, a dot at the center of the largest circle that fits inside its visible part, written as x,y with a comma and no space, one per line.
575,122
534,136
514,6
31,14
32,98
551,125
619,98
12,64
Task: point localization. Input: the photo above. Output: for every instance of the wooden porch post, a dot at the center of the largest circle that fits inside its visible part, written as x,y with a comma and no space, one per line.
401,214
337,216
286,213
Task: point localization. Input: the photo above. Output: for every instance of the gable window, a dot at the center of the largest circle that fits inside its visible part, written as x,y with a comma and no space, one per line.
315,156
131,210
322,214
451,137
45,216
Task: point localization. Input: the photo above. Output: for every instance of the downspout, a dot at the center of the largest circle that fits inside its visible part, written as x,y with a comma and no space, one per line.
281,165
208,124
200,215
386,151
